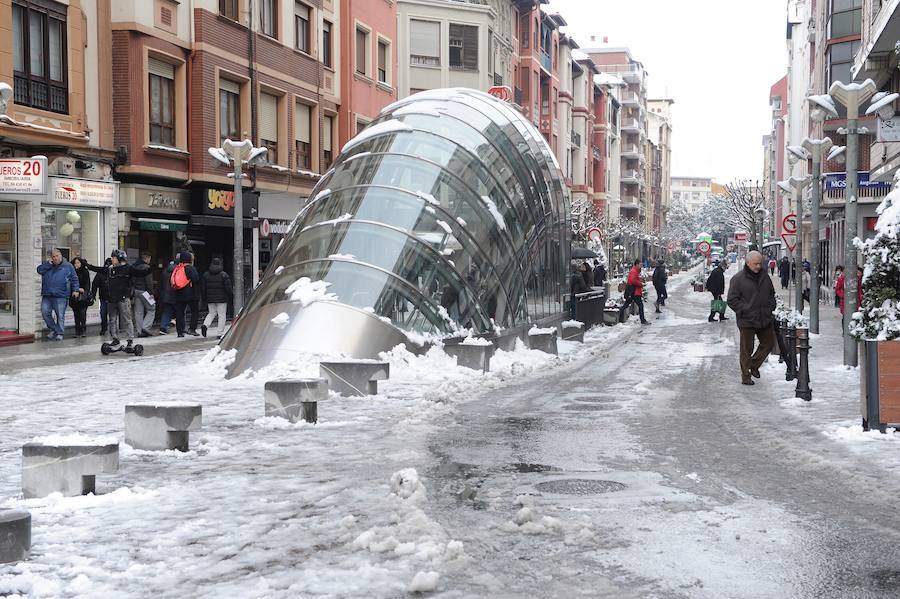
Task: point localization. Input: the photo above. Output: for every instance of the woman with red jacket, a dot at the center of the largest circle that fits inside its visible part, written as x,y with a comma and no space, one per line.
634,288
839,288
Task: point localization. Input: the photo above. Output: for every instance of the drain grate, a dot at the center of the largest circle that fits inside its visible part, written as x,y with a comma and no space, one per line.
590,407
579,486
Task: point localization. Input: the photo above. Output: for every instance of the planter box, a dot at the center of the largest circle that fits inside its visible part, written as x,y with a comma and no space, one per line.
610,316
879,383
700,287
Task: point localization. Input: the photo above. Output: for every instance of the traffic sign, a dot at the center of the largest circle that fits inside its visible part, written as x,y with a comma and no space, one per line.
704,248
789,223
594,234
740,236
671,246
790,240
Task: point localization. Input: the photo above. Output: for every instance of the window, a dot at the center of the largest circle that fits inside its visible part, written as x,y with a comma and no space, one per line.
840,59
162,103
229,9
383,54
424,43
845,18
327,132
268,17
268,125
326,44
229,110
78,234
39,55
301,26
362,51
463,47
302,137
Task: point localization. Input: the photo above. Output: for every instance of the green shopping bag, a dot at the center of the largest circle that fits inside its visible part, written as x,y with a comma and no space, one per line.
718,305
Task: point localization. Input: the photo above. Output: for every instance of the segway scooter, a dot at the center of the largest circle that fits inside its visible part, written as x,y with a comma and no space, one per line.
107,348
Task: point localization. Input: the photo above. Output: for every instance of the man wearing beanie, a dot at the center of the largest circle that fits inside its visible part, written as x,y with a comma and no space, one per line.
188,297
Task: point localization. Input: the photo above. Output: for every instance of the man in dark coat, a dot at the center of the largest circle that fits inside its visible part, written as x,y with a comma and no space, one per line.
188,297
98,287
577,285
752,297
660,277
167,297
599,274
217,292
144,305
119,292
784,271
715,284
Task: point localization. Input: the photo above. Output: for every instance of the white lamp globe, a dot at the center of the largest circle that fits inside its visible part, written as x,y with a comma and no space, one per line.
72,216
66,230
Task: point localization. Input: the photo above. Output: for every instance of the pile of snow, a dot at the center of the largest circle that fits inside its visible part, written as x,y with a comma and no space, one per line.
573,323
281,320
306,291
74,439
534,330
476,341
492,208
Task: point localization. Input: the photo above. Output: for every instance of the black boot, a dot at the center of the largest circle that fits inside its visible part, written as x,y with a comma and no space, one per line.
712,317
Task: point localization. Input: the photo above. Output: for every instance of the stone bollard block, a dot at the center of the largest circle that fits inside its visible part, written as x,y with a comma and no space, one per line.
543,340
476,356
573,330
295,399
68,465
610,316
161,426
15,536
354,377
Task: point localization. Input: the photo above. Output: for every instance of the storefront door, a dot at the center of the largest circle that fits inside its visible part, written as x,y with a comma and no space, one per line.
8,296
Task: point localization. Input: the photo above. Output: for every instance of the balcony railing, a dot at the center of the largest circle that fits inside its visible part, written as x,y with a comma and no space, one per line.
630,201
546,63
631,151
631,125
630,98
631,176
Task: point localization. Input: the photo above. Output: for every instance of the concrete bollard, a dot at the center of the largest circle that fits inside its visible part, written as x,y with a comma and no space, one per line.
15,536
295,399
161,426
354,377
543,340
573,330
67,466
476,356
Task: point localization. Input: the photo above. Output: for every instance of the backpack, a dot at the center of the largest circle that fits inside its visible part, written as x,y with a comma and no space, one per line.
179,279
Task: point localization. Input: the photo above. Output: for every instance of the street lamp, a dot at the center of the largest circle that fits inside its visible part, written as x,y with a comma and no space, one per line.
796,186
816,149
851,95
238,153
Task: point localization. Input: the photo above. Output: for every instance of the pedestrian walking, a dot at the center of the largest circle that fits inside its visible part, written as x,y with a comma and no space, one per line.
118,293
752,297
839,288
838,273
183,280
772,266
217,293
577,285
634,290
144,300
715,284
588,273
784,271
80,304
98,290
805,281
599,273
660,277
59,282
167,297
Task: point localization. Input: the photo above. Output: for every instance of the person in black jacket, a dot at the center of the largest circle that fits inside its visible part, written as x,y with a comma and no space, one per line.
577,285
99,288
167,297
80,304
599,274
784,271
660,277
217,292
752,297
144,302
119,292
715,284
188,297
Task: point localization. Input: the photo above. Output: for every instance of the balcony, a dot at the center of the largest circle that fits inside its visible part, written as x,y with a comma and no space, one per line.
629,72
630,201
631,151
630,98
631,126
546,63
632,176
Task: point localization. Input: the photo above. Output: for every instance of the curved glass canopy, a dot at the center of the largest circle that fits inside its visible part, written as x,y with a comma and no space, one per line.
445,214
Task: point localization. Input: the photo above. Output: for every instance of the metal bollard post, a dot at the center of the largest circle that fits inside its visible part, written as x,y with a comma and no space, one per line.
779,338
790,341
803,391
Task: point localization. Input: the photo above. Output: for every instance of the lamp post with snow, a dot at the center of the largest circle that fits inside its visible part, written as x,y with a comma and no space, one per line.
238,153
796,185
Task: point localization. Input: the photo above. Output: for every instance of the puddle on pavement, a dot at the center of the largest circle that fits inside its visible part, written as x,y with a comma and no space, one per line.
579,486
525,468
590,407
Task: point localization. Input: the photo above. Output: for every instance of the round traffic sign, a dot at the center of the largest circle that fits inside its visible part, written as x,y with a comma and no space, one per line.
789,223
704,247
594,234
671,246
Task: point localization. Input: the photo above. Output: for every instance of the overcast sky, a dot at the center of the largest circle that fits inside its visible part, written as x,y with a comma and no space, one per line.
717,59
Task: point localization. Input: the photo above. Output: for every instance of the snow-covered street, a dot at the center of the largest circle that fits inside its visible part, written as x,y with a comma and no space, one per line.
635,465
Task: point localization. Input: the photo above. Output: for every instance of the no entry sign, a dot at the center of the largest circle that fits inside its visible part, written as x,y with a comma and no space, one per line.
703,247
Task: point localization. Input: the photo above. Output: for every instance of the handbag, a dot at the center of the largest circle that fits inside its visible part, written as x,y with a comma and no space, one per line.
718,305
629,291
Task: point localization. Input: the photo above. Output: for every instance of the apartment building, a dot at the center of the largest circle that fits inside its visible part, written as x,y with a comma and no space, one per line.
633,127
54,104
691,192
659,124
607,148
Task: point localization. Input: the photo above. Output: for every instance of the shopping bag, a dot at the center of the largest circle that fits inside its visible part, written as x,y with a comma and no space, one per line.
718,305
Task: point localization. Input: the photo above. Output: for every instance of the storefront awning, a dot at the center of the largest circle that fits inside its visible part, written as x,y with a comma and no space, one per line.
159,224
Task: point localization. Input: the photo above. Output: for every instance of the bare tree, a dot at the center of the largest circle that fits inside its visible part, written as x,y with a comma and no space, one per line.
745,202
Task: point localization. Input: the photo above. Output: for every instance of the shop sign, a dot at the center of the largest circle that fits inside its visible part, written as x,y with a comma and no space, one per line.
84,192
220,202
273,227
839,181
23,176
144,198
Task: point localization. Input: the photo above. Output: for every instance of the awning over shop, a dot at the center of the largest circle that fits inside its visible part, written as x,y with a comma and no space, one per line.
160,224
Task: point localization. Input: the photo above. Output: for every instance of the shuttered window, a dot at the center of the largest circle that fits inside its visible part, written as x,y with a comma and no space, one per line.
362,43
162,102
383,53
327,131
268,125
302,136
229,110
463,46
301,26
424,43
